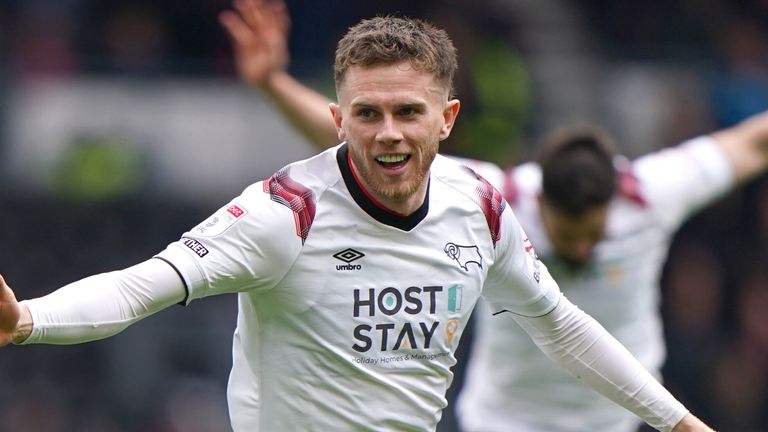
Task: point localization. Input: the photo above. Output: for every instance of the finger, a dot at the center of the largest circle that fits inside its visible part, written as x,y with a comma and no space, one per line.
237,29
280,16
252,12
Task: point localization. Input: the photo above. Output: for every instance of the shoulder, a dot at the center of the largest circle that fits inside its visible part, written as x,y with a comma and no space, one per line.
463,182
288,199
461,175
316,173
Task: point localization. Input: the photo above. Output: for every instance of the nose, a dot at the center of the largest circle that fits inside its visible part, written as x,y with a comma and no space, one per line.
389,131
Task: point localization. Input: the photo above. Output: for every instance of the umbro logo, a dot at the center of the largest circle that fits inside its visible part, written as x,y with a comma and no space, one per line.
349,255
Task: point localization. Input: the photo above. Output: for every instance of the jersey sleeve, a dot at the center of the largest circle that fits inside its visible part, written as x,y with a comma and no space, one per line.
681,180
580,345
103,305
248,244
518,281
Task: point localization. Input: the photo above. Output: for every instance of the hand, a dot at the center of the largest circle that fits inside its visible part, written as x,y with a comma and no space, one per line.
259,34
691,423
10,313
746,145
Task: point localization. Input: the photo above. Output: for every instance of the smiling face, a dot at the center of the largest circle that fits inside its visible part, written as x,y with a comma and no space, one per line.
393,117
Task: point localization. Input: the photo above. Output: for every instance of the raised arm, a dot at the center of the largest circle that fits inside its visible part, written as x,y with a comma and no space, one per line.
259,32
746,145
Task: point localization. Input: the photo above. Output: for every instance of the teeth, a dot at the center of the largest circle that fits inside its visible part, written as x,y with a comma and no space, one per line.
391,158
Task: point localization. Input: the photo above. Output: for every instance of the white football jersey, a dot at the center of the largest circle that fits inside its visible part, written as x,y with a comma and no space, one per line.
509,384
349,315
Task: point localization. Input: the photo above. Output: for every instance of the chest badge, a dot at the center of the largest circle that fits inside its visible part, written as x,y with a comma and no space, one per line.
464,255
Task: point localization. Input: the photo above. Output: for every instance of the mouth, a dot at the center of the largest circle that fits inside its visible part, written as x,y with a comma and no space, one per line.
393,161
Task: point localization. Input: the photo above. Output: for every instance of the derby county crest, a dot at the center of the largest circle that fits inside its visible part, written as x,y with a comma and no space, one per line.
464,255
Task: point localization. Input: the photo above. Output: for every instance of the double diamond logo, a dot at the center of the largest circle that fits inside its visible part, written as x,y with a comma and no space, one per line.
348,255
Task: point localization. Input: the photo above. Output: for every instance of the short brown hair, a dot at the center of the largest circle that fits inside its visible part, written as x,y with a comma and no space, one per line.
388,40
577,168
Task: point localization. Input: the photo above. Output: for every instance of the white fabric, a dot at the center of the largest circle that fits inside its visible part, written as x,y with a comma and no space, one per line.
576,342
303,343
509,384
103,305
350,322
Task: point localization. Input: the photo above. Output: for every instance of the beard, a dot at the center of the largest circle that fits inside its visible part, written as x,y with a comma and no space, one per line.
400,190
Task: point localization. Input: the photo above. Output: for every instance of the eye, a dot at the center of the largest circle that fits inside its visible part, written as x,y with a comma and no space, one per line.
366,113
407,112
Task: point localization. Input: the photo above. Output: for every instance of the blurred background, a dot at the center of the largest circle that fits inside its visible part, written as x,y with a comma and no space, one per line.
123,124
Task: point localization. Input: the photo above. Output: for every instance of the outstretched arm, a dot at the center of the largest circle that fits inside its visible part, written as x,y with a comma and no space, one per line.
258,30
580,345
93,308
746,145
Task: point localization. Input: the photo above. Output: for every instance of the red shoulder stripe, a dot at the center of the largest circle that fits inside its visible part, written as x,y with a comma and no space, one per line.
284,190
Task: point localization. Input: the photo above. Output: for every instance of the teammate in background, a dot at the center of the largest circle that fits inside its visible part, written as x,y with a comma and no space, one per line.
367,345
602,225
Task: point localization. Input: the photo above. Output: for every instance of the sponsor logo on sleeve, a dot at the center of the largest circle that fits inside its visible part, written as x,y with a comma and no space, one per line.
220,221
528,248
195,246
235,211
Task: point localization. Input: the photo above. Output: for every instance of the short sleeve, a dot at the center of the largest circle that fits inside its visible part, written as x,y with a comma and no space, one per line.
518,281
248,244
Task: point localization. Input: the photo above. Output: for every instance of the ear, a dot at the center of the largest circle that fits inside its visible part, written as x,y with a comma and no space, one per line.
450,113
337,121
